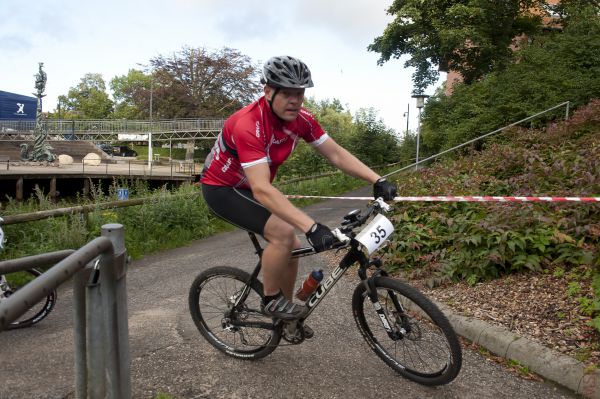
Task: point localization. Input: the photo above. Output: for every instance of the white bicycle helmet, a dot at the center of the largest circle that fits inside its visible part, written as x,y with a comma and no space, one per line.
285,72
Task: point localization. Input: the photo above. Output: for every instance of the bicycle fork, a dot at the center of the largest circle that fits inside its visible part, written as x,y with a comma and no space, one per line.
402,329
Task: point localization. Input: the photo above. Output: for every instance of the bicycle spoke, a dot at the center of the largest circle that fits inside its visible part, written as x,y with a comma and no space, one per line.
422,345
211,302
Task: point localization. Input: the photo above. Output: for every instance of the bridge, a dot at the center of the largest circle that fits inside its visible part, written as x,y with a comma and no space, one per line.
113,129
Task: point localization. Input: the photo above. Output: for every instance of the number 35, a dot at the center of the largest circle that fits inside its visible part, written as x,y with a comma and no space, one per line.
378,235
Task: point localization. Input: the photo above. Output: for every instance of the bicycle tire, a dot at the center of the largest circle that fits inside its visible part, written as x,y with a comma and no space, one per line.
37,312
210,298
429,353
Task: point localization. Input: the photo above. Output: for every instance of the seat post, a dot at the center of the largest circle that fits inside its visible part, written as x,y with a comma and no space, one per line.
259,249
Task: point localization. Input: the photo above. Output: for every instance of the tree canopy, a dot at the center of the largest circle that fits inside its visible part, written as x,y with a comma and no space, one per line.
472,37
197,82
553,67
132,95
88,99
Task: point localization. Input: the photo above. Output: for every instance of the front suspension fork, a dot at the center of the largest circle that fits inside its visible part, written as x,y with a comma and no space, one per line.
369,282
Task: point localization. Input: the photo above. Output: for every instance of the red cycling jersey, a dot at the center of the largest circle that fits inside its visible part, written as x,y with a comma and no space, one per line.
257,135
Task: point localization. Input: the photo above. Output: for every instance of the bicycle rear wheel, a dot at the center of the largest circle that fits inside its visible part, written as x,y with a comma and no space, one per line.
423,347
240,332
12,283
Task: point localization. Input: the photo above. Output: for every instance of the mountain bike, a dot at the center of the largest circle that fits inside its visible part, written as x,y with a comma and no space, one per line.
11,282
400,324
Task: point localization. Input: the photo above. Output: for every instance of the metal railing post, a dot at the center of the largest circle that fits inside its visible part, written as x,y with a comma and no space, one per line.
114,294
79,332
95,339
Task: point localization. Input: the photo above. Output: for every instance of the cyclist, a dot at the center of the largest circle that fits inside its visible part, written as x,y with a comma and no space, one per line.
237,177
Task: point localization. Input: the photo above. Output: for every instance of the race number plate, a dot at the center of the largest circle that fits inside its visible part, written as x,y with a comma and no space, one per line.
375,233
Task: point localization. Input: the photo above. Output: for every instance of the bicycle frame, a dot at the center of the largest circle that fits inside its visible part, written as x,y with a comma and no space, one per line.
354,255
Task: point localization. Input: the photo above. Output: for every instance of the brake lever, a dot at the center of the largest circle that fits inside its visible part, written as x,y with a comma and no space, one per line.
383,205
341,236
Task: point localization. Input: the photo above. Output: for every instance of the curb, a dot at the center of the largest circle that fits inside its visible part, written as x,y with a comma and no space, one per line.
546,362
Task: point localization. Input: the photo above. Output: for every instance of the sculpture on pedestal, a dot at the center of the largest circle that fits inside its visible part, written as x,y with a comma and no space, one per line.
41,150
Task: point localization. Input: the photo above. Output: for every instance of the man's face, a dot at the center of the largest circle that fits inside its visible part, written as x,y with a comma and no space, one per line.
286,104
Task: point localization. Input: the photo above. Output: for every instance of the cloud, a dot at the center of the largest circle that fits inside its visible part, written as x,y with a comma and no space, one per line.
350,22
356,21
29,27
15,43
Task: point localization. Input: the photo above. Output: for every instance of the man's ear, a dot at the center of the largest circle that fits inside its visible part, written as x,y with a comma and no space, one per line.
268,92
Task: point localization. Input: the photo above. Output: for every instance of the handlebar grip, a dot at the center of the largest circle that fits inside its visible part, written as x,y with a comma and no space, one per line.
341,236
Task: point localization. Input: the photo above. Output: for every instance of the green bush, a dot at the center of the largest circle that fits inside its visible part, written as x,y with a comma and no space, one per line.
169,219
481,241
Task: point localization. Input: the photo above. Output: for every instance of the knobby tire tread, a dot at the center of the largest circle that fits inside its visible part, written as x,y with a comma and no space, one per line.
360,301
196,313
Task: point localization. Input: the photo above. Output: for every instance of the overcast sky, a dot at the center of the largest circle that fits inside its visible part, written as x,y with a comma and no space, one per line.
75,37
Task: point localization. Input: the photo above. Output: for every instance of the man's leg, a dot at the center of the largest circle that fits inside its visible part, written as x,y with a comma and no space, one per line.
278,268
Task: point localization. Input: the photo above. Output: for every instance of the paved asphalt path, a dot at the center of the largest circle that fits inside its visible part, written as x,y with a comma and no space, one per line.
169,355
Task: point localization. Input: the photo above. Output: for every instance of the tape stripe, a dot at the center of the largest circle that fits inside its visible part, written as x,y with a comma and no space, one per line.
463,199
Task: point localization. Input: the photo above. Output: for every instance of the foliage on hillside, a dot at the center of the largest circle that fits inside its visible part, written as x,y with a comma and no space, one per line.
552,68
477,241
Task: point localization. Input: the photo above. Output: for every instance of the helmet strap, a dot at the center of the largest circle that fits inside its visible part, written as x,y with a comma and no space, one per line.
276,90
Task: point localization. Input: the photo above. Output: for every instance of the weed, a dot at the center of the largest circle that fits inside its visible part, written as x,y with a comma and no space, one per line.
518,367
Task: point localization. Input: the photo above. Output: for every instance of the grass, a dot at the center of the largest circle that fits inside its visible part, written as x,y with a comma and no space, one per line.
171,219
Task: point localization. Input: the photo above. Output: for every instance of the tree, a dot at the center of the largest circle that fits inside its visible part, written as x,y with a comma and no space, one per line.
196,82
132,94
554,67
332,116
338,124
373,142
472,37
88,100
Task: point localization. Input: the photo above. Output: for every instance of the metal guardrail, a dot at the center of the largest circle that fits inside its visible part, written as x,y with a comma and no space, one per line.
565,104
110,129
101,339
131,168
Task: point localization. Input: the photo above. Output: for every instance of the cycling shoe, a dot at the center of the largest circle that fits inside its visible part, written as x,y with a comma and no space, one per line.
282,308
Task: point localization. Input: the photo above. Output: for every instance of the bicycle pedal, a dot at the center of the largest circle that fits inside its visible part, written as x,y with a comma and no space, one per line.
292,332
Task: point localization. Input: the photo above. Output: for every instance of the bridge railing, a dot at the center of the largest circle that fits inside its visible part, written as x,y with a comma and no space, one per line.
112,125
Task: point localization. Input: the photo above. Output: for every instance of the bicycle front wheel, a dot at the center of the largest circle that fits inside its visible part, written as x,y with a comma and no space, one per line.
12,283
421,346
242,331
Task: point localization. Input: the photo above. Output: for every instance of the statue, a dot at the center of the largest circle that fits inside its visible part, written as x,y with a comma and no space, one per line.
41,150
45,155
40,81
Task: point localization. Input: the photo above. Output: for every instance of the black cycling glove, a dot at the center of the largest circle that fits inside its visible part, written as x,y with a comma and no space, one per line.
385,189
320,237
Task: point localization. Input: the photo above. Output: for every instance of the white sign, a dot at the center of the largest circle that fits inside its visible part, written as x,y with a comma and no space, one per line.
132,137
375,233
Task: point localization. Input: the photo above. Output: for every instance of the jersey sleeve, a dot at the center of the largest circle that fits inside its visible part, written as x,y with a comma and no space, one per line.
313,133
249,142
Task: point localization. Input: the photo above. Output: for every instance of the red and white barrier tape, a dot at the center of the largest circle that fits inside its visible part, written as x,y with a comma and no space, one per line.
464,199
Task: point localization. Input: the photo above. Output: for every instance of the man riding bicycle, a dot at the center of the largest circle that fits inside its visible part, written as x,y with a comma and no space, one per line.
239,171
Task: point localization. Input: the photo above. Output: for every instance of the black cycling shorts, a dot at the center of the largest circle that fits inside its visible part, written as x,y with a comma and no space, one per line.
237,206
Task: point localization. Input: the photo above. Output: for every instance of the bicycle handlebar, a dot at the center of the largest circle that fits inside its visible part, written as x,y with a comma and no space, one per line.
355,219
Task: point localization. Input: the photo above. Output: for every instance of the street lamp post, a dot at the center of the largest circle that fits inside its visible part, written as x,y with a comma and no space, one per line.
420,104
150,130
407,116
59,116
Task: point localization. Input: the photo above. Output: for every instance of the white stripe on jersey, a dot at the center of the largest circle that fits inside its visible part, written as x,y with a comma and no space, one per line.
258,161
319,141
